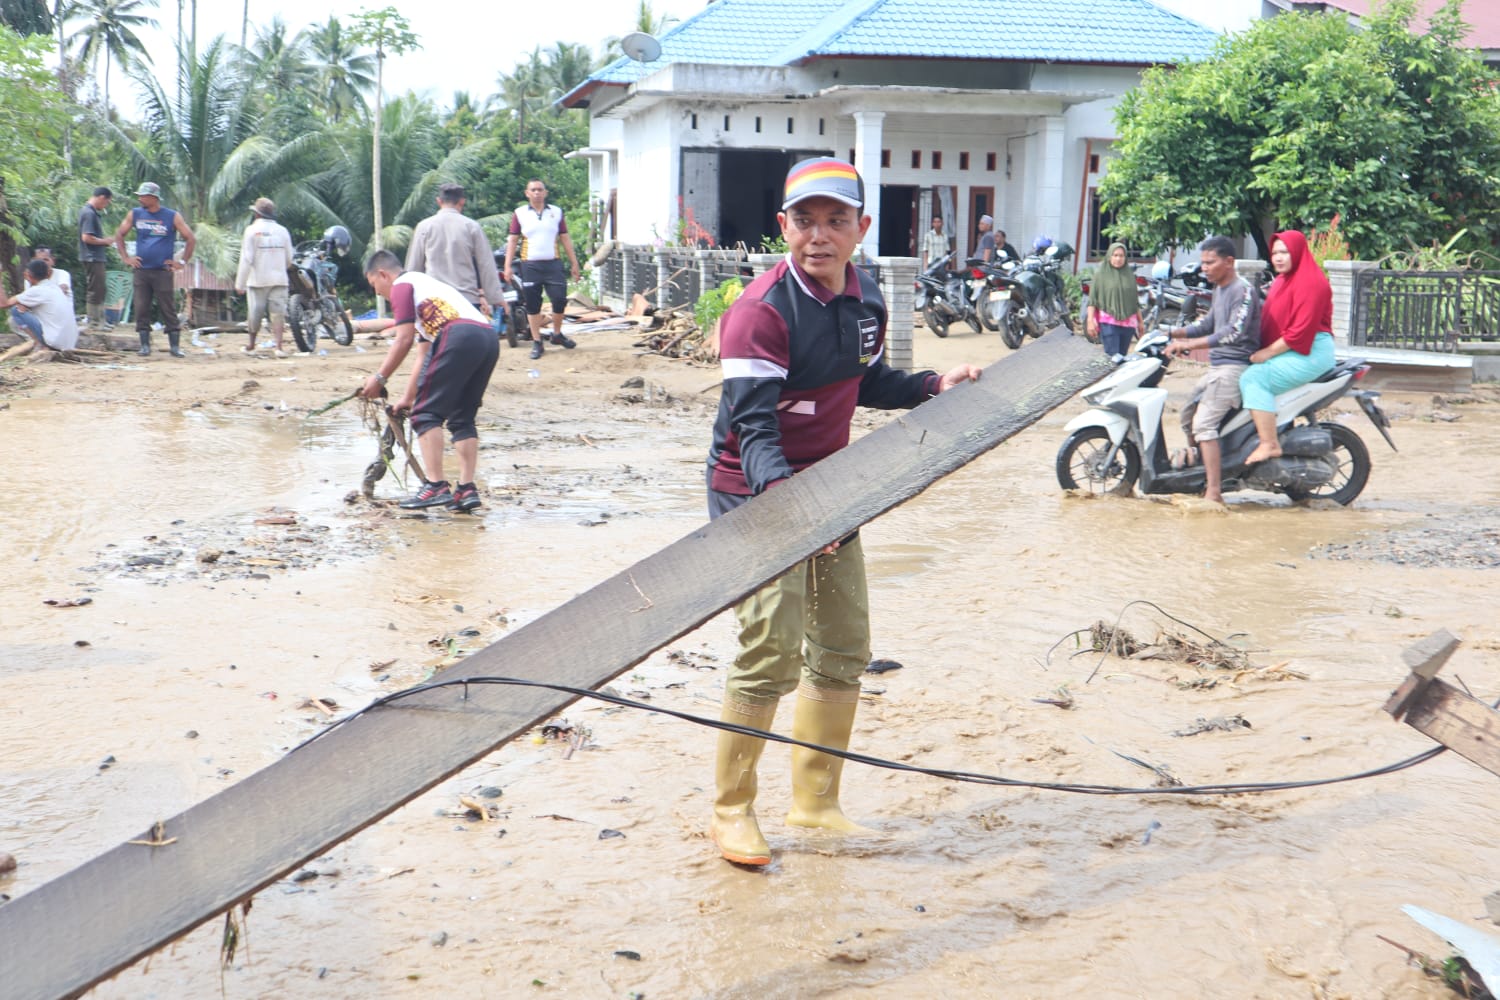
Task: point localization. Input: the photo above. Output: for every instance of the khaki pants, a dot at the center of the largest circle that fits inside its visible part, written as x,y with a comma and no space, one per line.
822,604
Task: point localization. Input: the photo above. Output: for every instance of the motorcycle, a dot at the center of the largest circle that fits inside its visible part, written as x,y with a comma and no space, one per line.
1183,296
313,309
510,320
1118,443
949,296
1030,299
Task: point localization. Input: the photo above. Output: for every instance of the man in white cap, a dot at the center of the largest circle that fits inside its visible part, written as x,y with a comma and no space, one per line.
985,250
265,256
800,349
156,230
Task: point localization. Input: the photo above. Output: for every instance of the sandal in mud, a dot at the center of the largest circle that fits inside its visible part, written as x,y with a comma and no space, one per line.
1184,457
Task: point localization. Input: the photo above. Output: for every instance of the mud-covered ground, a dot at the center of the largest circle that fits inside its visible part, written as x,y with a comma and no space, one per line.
196,586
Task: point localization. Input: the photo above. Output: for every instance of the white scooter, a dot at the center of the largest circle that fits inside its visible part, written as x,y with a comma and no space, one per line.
1119,442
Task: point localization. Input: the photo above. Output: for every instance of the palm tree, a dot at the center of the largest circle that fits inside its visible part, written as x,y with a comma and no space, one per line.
110,29
523,89
346,72
210,154
280,62
568,65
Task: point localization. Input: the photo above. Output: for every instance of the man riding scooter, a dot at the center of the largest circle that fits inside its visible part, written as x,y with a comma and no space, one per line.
1231,332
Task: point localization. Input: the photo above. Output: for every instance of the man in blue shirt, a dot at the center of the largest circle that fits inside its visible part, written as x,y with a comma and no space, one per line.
156,230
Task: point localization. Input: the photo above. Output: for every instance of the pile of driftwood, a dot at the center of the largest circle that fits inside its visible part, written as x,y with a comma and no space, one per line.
676,334
34,353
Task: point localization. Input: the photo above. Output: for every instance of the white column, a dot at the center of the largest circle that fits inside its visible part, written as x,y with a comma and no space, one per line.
867,138
1042,189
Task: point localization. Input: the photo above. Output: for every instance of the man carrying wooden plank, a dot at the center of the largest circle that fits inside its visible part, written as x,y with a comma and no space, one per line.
799,350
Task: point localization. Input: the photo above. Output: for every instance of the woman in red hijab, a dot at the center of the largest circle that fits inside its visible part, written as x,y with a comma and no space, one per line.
1295,343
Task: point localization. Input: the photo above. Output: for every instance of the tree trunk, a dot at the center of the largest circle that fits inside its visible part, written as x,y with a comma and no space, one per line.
245,24
375,175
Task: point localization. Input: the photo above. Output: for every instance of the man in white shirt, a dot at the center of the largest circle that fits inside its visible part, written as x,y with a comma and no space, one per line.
934,243
51,321
537,230
265,255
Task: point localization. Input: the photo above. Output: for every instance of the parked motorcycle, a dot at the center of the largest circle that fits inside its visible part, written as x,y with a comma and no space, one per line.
1176,299
510,319
313,309
949,296
1030,299
1118,443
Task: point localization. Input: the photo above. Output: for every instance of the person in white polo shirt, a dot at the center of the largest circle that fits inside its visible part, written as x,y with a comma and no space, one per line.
537,229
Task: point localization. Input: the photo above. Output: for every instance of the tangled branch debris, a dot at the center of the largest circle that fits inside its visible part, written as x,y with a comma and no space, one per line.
677,335
1112,639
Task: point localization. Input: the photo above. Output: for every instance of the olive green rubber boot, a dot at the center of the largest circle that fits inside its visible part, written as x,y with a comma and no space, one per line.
824,717
734,829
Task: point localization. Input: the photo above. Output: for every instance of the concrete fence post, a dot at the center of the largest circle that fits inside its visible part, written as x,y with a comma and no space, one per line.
1342,275
898,275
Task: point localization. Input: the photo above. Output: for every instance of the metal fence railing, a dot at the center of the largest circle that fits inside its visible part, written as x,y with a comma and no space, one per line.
678,276
1425,310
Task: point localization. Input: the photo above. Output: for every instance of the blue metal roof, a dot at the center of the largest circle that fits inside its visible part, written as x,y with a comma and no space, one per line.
785,32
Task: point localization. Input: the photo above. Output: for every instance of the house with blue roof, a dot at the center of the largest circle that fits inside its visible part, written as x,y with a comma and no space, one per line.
957,108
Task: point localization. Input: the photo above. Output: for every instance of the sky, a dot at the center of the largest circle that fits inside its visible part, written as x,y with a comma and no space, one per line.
482,42
489,39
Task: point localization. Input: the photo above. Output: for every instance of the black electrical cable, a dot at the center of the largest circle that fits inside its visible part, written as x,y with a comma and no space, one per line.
859,758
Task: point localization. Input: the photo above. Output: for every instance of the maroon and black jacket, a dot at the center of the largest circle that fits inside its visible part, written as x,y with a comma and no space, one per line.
797,359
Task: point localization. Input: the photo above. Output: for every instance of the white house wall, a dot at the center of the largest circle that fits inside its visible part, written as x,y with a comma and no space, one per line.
1046,151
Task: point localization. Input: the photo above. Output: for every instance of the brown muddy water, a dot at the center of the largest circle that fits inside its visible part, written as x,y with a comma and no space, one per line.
181,676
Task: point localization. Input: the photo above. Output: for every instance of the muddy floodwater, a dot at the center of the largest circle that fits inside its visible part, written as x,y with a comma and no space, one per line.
217,596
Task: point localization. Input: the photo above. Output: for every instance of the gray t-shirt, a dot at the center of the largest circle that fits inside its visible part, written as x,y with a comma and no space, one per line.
90,223
1232,324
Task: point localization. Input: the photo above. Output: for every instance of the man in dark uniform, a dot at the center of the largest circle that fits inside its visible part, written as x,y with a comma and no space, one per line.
93,252
799,350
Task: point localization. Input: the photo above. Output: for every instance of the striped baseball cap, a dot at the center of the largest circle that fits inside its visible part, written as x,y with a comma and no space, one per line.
825,177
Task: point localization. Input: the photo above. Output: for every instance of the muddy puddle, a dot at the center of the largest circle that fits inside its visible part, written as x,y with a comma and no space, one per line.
593,876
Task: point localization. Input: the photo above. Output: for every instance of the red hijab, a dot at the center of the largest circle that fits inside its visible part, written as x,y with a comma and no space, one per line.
1299,305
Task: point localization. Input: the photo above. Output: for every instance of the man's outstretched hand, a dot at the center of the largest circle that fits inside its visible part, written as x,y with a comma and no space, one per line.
963,373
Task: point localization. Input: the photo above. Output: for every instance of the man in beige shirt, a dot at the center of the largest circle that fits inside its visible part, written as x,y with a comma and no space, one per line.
265,256
452,248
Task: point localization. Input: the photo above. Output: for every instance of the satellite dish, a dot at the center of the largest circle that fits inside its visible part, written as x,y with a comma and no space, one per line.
641,47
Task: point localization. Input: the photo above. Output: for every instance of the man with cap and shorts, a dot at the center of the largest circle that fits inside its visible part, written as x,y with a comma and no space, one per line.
537,229
156,230
265,257
799,350
456,353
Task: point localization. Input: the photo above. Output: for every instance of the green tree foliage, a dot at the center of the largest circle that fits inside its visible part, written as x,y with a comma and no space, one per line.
1304,117
26,17
32,118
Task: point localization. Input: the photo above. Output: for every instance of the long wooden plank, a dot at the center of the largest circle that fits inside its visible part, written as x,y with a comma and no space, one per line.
133,899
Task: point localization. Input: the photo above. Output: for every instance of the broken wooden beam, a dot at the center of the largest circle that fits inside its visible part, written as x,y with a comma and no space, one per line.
71,933
1454,718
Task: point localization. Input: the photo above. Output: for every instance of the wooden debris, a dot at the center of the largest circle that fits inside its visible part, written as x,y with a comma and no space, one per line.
1167,646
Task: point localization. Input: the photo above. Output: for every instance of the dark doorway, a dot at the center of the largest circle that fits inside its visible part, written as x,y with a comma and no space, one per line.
747,191
981,202
898,222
